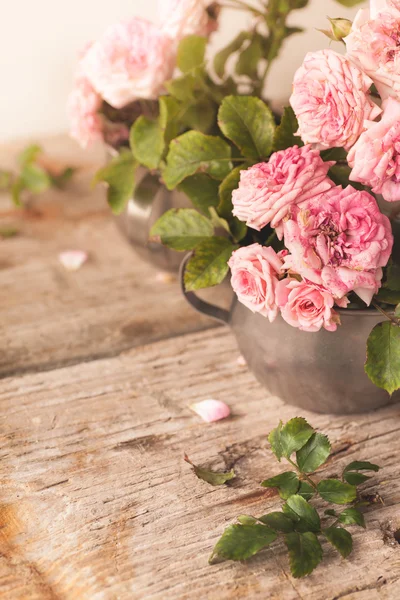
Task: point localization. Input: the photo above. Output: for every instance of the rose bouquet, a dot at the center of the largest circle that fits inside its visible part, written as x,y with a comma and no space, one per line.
304,213
143,84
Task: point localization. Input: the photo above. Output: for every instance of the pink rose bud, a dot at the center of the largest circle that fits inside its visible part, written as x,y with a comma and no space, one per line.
331,100
375,158
211,410
373,45
340,240
267,190
131,61
306,306
255,275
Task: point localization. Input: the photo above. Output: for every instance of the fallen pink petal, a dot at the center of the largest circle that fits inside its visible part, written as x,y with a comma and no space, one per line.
164,277
72,260
241,361
211,410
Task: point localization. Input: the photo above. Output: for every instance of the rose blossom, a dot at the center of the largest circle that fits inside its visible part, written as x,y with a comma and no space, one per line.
180,18
86,125
331,100
306,306
375,158
131,61
267,190
374,45
255,271
340,240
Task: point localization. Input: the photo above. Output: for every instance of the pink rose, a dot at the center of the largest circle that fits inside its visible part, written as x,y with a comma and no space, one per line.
255,272
132,61
267,190
375,158
84,103
374,45
331,100
181,18
306,306
339,240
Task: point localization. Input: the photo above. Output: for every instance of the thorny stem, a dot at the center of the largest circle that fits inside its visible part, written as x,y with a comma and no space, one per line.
394,320
310,481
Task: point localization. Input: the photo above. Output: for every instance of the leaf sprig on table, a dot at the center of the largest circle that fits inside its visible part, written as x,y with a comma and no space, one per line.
32,176
299,522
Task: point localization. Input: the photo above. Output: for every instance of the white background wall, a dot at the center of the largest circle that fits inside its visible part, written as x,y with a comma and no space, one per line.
40,40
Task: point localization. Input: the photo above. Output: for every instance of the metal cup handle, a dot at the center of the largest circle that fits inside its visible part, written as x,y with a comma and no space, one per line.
215,312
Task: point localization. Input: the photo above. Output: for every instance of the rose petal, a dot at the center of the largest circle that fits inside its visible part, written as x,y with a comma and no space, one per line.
241,361
211,410
72,260
164,277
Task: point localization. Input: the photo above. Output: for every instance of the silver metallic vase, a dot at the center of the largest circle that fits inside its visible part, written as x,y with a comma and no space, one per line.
321,372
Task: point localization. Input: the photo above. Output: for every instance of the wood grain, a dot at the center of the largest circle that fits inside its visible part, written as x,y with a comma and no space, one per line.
96,501
51,317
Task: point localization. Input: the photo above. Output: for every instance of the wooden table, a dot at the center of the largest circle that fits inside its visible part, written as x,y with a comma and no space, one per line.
98,369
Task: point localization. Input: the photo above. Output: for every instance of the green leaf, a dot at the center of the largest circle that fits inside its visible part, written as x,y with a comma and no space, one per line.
274,439
63,178
169,119
8,232
388,296
147,142
222,57
34,178
191,52
337,154
16,189
294,435
349,3
393,277
195,152
249,59
340,539
285,133
383,356
202,191
355,478
200,115
314,453
305,552
209,264
307,518
287,483
337,492
352,516
306,491
212,477
240,542
330,512
181,229
249,123
29,155
188,87
229,184
5,179
119,174
246,520
361,465
278,521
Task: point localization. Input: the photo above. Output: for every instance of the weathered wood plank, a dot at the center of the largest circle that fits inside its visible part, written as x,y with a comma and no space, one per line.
52,317
96,501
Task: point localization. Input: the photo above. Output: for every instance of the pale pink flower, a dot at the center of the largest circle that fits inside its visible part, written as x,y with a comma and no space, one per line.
84,103
181,18
131,61
267,190
339,240
374,45
375,158
72,260
255,275
306,306
211,410
331,100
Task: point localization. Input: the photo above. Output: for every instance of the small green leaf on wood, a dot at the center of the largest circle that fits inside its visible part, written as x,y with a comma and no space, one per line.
383,356
307,518
278,521
351,475
240,542
355,478
181,229
285,133
249,123
305,552
209,264
194,152
147,142
8,232
29,154
292,436
340,539
287,483
306,491
314,453
212,477
247,520
119,174
361,465
352,516
274,439
337,492
191,52
34,178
